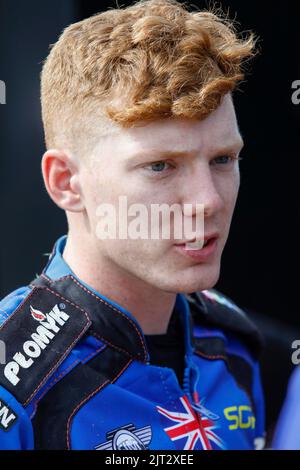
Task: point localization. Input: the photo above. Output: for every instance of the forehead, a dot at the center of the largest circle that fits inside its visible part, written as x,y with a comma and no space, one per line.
216,133
219,129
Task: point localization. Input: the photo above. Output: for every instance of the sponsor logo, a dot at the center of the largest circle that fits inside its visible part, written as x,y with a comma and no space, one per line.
7,416
127,438
197,430
240,417
37,315
49,325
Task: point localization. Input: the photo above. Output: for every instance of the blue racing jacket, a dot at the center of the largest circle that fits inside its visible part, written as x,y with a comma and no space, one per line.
77,373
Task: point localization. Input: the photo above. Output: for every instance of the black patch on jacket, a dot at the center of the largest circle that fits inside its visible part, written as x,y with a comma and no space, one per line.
7,416
38,336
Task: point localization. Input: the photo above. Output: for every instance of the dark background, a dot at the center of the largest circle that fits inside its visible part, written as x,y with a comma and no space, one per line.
260,262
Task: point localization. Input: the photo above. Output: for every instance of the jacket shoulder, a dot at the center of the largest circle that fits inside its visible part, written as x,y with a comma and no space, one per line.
213,309
39,328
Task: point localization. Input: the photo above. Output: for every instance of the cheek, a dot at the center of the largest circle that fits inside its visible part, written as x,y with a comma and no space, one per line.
236,186
137,256
96,189
230,188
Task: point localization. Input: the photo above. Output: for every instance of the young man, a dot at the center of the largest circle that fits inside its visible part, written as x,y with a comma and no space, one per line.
121,343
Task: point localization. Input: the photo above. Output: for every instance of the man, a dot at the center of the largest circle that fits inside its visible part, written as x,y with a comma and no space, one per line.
121,343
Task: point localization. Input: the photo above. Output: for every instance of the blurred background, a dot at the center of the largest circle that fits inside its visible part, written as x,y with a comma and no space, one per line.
261,259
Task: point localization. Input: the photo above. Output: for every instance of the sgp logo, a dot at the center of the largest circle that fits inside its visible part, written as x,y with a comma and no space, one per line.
296,353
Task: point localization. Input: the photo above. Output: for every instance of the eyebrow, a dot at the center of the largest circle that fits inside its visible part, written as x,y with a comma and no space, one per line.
162,153
237,145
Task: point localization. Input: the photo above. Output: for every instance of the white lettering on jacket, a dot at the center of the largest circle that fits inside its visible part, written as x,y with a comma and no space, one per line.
49,326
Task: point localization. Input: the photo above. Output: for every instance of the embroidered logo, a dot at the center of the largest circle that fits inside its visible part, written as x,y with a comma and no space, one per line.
37,314
50,325
127,438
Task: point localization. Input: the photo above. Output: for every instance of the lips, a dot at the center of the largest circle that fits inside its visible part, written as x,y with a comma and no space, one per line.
196,245
202,255
199,244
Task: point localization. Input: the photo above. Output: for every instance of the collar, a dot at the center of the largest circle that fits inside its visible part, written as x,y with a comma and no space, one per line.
110,321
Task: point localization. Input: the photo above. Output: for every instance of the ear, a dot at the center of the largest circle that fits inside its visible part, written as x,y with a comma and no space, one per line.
60,173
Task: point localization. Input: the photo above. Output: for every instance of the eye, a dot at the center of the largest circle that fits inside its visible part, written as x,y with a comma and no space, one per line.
225,160
158,167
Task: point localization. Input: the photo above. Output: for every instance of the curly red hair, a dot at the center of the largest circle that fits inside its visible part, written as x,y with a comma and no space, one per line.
154,59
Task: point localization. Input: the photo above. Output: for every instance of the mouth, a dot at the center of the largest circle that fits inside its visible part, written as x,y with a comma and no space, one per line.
199,244
200,251
196,245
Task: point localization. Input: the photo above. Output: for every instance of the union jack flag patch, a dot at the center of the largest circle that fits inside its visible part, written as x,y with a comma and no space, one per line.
197,430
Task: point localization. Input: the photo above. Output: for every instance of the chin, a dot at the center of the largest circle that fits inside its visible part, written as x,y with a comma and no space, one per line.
194,280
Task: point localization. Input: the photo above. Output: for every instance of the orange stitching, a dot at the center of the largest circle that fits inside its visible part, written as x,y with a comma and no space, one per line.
121,371
68,348
87,398
65,371
93,333
93,353
206,356
31,294
57,363
228,367
56,379
116,310
77,408
104,302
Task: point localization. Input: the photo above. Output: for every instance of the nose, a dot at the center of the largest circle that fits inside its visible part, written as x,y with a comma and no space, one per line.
202,190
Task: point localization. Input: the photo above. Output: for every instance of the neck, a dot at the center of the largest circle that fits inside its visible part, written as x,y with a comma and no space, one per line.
151,306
